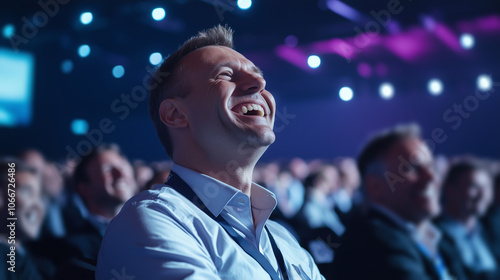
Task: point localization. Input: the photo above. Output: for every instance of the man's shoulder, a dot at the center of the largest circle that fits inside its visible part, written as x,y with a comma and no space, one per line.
156,206
160,197
372,226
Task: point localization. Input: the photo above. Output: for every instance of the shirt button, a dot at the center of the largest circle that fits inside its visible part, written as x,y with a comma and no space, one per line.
241,200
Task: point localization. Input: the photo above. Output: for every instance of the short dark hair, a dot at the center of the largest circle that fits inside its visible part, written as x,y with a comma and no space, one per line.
381,142
170,86
461,167
80,174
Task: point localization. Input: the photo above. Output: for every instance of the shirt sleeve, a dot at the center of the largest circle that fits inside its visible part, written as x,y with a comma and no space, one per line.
151,241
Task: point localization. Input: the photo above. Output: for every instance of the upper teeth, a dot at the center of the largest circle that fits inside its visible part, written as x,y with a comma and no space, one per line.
252,107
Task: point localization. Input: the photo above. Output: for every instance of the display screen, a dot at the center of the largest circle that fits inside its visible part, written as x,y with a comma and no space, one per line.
16,87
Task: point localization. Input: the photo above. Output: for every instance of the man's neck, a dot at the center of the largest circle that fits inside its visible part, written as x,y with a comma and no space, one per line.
236,172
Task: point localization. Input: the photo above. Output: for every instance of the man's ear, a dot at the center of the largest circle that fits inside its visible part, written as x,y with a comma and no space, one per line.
172,113
375,186
83,190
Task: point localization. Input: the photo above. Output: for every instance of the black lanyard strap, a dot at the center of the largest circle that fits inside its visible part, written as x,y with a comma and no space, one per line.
176,183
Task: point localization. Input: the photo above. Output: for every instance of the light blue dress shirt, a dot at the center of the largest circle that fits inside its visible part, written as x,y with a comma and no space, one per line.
473,248
159,234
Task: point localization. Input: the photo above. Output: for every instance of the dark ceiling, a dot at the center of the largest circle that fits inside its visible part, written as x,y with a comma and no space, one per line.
314,122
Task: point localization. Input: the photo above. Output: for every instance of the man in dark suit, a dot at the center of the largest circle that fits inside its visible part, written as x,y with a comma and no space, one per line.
491,220
467,194
393,237
104,181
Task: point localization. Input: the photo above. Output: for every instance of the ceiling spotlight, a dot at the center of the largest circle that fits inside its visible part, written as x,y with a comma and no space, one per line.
67,66
346,93
155,58
158,14
244,4
118,71
484,82
386,91
467,41
84,50
314,61
435,87
79,126
86,18
8,31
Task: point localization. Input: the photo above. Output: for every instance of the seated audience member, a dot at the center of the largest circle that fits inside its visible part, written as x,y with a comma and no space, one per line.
491,220
348,197
289,193
24,190
104,180
209,220
318,210
54,192
317,223
393,237
299,169
467,193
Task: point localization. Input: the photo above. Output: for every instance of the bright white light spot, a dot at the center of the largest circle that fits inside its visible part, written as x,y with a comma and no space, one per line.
314,61
467,41
79,126
435,87
8,31
386,90
155,58
484,82
158,14
86,18
67,66
84,50
118,71
346,93
244,4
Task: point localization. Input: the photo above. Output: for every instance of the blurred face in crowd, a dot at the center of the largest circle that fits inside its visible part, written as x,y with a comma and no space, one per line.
409,187
30,209
472,193
227,104
34,159
110,179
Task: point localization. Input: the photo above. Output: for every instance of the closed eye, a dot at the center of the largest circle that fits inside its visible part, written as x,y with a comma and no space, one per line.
225,75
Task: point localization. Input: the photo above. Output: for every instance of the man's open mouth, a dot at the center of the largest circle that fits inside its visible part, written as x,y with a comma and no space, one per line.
250,110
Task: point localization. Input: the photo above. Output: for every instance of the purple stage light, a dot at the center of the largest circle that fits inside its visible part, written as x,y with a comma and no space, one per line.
364,70
294,56
344,10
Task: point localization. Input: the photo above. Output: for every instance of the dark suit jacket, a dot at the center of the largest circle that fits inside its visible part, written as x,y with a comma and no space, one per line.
452,249
491,223
376,247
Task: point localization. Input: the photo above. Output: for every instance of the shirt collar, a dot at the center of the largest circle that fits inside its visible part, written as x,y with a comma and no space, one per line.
215,194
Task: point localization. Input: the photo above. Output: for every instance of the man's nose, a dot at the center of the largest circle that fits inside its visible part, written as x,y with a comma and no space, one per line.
252,83
118,172
428,173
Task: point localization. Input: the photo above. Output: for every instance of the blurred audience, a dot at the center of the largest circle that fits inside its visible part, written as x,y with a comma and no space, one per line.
318,210
467,194
104,181
393,237
55,196
370,219
348,195
491,220
21,186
